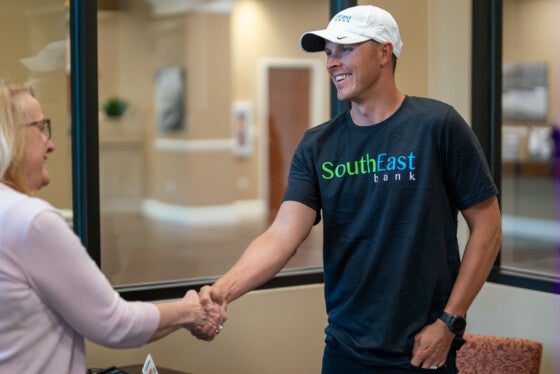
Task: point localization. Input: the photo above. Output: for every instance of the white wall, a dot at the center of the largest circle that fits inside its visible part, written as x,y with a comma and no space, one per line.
509,311
281,331
267,332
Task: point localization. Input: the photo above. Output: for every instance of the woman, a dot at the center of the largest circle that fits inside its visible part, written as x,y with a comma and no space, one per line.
52,294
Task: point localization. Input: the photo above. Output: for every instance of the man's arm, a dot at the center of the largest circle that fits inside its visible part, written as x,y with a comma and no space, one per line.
484,222
432,344
265,256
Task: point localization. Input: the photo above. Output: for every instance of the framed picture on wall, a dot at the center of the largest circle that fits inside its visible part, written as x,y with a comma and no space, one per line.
169,99
525,92
242,128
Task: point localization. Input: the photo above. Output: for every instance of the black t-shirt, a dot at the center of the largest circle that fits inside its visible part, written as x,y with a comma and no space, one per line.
389,195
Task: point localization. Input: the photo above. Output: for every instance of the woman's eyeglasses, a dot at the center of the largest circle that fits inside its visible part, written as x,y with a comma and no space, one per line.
43,125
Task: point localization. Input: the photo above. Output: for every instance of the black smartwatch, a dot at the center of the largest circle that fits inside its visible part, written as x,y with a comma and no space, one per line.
456,324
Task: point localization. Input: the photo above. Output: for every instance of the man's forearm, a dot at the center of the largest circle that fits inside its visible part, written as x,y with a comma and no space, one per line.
261,261
480,253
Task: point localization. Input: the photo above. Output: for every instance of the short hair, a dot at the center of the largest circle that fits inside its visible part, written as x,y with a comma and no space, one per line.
14,111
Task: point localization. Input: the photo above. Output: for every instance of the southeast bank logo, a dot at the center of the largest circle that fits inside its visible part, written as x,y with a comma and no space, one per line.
383,166
342,18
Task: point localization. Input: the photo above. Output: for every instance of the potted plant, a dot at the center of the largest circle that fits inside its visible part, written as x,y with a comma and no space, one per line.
114,107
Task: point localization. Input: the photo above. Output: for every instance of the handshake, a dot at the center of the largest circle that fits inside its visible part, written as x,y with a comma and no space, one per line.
206,313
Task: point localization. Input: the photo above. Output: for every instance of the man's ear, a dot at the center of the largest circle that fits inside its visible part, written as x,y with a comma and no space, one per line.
386,50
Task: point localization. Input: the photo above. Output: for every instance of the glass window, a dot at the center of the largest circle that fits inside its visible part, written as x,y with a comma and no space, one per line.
531,139
194,146
34,39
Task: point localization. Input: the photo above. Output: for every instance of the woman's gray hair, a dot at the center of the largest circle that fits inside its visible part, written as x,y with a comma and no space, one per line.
13,112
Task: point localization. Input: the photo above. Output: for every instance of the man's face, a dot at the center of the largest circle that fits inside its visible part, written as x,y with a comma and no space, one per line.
354,69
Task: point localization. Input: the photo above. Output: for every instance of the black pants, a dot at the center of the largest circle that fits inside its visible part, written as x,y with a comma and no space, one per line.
334,362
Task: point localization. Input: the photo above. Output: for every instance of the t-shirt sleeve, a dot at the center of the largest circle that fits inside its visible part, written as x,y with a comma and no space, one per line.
302,182
467,174
70,283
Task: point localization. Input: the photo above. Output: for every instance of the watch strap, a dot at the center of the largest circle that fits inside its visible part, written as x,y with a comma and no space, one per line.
450,320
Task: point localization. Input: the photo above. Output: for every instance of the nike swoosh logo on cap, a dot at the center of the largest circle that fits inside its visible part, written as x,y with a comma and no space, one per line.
340,37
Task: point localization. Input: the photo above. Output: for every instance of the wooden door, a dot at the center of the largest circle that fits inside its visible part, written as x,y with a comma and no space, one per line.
288,118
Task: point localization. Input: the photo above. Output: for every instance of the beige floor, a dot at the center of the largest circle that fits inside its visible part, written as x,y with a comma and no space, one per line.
531,214
138,250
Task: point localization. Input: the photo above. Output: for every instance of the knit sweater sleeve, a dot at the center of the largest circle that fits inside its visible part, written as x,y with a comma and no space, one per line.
70,283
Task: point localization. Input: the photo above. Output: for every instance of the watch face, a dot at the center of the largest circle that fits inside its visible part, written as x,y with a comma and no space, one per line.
458,325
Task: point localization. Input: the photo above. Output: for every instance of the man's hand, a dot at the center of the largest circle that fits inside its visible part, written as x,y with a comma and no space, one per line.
431,345
211,294
214,305
189,313
209,320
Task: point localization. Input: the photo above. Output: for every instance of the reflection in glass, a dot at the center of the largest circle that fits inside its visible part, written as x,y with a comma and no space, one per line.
530,148
34,39
178,199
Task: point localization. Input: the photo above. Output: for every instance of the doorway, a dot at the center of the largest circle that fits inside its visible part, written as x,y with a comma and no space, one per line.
293,91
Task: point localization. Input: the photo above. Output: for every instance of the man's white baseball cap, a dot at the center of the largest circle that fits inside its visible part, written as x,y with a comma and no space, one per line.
355,25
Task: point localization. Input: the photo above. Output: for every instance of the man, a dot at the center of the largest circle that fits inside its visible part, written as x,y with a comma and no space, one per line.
388,178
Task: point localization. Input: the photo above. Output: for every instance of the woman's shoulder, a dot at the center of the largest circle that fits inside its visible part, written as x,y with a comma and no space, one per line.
15,205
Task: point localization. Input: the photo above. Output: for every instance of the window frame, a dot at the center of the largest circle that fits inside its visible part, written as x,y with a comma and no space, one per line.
84,124
486,101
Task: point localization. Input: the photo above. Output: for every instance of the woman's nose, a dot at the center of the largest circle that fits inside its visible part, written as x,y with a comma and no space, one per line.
50,146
